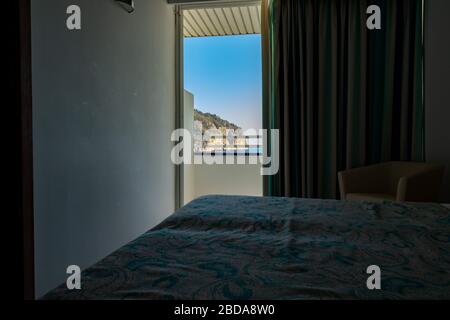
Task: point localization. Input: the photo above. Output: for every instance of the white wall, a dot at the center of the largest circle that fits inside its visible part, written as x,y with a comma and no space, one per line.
437,86
228,180
189,174
104,107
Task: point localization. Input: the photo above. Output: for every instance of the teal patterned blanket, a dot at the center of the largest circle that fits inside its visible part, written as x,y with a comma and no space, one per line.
231,247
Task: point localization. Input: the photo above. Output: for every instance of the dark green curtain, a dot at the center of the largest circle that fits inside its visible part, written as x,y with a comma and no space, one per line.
342,95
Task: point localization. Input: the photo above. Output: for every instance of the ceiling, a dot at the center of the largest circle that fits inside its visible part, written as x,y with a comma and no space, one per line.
222,21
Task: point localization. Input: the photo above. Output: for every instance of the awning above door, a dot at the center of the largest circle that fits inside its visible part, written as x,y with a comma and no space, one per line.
222,21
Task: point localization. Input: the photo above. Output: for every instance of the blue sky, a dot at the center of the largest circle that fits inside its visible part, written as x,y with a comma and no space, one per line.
225,76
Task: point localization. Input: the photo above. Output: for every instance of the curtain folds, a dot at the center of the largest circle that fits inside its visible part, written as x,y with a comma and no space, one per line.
342,95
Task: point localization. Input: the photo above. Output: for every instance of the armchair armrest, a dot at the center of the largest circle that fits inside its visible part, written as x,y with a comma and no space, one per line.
363,180
421,186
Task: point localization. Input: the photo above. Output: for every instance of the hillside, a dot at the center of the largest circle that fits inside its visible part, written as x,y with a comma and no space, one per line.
209,121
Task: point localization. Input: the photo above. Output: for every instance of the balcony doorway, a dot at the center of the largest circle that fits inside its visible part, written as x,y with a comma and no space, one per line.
220,99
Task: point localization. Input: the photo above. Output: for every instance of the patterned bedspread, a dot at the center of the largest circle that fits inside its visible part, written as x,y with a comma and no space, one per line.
230,247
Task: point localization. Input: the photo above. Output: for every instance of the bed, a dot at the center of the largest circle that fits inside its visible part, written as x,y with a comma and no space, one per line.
233,247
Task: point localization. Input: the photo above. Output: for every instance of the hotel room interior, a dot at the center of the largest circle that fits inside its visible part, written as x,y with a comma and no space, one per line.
358,92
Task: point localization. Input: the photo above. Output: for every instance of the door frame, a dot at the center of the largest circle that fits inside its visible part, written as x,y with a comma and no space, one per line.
179,99
22,91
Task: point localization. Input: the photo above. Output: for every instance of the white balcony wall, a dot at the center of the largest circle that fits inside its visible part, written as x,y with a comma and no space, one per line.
189,177
227,179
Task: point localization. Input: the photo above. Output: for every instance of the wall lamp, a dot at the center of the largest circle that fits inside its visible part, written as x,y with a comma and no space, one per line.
127,5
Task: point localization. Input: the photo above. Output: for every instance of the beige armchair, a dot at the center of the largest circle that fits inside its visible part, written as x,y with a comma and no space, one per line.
394,181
